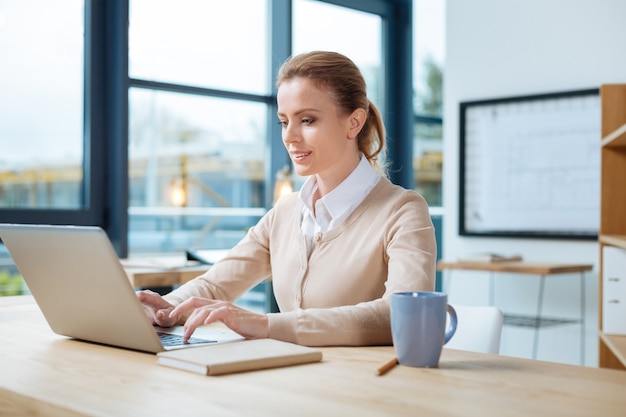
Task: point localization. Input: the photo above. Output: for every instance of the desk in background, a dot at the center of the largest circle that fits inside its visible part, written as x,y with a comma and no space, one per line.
49,375
169,270
543,270
145,275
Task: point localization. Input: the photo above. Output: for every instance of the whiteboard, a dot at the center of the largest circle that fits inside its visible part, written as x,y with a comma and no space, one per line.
530,166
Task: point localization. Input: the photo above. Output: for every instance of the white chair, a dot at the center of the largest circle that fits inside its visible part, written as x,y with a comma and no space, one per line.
478,329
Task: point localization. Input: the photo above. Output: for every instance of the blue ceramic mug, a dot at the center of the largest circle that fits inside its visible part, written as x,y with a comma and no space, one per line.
418,327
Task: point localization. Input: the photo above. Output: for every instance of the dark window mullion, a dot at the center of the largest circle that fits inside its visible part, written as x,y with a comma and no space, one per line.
199,91
281,22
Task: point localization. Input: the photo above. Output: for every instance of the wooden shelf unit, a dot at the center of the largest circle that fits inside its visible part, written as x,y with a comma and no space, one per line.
612,348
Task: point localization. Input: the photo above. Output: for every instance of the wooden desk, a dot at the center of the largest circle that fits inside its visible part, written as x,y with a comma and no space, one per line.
48,375
543,270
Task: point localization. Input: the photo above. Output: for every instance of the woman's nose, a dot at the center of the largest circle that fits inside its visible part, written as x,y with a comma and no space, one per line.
290,134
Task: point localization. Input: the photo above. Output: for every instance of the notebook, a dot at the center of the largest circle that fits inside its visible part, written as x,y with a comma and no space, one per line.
239,356
83,291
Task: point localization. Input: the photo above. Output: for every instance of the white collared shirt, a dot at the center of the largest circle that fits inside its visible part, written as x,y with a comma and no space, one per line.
337,205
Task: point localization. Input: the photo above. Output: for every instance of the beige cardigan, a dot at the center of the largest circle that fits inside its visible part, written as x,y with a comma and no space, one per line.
340,294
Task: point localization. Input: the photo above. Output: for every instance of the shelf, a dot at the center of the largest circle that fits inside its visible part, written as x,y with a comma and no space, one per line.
616,345
613,240
516,267
612,349
616,139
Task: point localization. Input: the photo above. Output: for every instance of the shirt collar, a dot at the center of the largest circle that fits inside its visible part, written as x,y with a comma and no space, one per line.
360,181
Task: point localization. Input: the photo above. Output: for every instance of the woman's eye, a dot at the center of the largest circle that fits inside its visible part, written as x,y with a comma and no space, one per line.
304,121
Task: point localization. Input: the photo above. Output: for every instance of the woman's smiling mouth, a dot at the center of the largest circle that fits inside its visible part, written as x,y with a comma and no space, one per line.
296,156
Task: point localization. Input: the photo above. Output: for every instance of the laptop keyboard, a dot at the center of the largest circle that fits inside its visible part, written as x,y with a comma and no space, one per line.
169,339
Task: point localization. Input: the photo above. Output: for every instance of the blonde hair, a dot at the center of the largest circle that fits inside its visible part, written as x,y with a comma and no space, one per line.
344,82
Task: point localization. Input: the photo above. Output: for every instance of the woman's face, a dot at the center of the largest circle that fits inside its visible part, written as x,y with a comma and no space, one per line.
319,138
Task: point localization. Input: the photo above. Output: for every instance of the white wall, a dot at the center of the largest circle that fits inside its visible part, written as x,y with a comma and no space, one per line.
498,48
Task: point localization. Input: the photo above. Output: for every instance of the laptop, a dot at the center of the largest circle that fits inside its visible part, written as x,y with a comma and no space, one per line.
77,280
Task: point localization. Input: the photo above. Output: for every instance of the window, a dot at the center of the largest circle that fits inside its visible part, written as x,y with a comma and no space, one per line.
155,119
198,110
199,115
322,26
44,166
219,45
196,170
41,102
428,30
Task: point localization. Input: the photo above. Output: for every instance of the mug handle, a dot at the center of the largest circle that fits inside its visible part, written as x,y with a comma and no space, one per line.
452,327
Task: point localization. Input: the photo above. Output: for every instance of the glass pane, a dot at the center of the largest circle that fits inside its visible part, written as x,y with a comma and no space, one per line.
322,26
429,51
428,55
41,102
428,161
214,44
196,168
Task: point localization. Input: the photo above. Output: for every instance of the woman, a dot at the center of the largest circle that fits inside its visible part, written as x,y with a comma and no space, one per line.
337,249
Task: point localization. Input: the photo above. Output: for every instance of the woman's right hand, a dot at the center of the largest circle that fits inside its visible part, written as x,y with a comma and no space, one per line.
157,309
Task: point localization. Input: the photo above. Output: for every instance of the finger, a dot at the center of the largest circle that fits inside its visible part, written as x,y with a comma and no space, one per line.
179,310
221,313
151,299
246,323
147,304
156,308
189,305
196,319
143,295
163,317
201,315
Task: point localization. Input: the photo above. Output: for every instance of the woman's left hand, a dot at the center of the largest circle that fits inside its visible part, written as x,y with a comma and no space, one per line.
204,311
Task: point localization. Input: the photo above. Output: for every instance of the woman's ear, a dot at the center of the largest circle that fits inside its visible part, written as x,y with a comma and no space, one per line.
357,120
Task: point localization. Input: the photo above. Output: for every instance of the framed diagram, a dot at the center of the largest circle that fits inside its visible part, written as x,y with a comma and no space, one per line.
530,166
